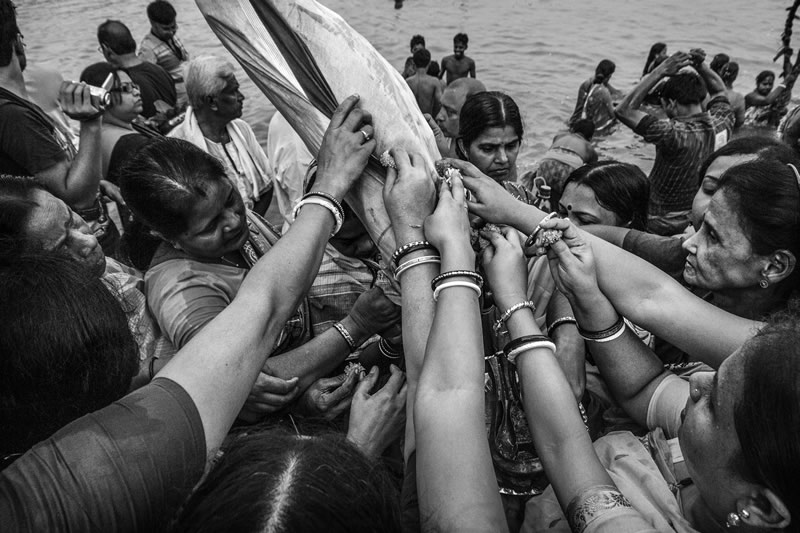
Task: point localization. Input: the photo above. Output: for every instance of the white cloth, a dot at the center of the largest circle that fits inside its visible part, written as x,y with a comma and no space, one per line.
250,171
290,160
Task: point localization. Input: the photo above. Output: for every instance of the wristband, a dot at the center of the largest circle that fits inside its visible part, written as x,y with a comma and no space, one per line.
606,335
409,248
456,273
510,311
457,283
346,334
560,322
327,204
411,263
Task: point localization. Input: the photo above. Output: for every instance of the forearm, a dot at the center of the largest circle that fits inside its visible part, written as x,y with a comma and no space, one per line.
570,348
613,234
83,177
714,83
634,99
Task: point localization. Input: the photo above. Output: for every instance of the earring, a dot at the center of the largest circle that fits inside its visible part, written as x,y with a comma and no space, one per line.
734,520
764,283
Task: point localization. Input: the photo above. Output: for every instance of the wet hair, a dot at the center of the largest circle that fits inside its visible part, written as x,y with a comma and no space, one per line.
765,195
484,110
422,58
656,49
604,71
621,188
729,72
434,69
116,35
67,350
757,145
719,61
17,203
584,127
206,76
280,482
766,417
763,75
8,31
461,38
161,11
417,39
685,88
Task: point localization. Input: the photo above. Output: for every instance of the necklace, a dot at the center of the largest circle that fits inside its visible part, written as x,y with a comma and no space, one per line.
231,263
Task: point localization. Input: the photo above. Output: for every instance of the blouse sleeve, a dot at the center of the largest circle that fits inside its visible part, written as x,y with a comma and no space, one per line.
667,404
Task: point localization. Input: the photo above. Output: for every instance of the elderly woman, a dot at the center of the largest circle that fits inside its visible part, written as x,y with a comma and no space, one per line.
213,123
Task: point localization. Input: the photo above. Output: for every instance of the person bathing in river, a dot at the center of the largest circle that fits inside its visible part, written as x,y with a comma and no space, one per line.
458,65
427,89
594,99
765,105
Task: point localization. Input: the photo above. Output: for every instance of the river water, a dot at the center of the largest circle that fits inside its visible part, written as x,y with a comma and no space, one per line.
538,51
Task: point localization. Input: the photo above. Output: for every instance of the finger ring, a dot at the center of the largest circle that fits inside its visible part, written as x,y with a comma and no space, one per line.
467,195
366,136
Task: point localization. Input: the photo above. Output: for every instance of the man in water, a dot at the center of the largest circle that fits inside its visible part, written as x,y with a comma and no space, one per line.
458,65
427,89
161,47
155,83
417,43
684,139
445,127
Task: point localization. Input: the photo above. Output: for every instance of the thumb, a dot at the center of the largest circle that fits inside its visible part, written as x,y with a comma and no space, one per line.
368,382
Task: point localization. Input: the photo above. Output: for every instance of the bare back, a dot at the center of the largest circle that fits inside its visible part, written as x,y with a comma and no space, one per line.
427,90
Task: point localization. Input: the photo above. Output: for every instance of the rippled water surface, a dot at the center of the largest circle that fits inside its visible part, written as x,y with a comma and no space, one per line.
538,51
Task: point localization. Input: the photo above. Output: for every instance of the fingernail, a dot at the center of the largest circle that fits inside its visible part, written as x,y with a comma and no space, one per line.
357,96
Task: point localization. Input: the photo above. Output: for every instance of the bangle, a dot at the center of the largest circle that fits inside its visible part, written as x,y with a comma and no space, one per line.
346,334
457,283
510,311
328,197
560,322
532,237
151,369
782,86
455,273
411,263
606,335
409,248
327,204
387,351
528,342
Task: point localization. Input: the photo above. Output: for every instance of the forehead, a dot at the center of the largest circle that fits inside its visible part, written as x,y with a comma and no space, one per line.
231,84
205,208
726,222
721,164
497,135
453,98
123,77
580,197
48,219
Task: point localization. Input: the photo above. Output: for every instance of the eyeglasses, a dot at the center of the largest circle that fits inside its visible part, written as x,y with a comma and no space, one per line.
125,87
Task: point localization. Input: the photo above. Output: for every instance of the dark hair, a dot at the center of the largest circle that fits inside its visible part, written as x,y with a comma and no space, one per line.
685,88
766,417
421,58
97,73
67,350
161,11
116,35
16,205
764,74
604,71
765,195
162,181
417,39
8,31
621,188
719,61
656,49
433,69
757,145
729,72
487,109
461,38
584,127
292,483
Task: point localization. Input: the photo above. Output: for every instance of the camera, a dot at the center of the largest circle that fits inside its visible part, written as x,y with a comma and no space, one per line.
102,93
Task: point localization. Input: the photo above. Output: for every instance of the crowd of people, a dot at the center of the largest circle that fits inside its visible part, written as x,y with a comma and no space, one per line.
200,335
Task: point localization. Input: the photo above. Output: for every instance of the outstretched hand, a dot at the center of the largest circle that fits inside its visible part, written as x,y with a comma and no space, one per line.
409,193
488,199
377,420
571,261
505,266
449,224
346,147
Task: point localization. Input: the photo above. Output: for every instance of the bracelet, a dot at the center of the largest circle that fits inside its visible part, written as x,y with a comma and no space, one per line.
409,248
560,321
520,347
327,204
605,335
510,311
346,334
457,283
386,350
454,273
151,369
532,237
411,263
519,341
782,86
328,197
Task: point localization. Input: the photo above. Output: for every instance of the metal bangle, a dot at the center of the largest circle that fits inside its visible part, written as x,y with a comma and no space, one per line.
457,273
560,321
409,248
327,204
532,345
411,263
615,328
346,334
510,311
457,283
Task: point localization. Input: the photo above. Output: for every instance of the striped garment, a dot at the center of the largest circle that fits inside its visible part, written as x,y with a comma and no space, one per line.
682,144
171,56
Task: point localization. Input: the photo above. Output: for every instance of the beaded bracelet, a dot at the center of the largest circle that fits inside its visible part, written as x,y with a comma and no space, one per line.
327,204
510,311
456,273
411,263
532,237
457,283
606,335
409,248
525,343
387,351
346,334
560,321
